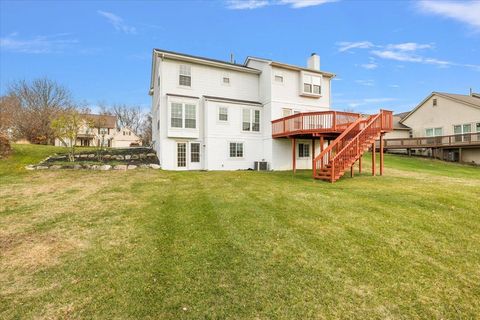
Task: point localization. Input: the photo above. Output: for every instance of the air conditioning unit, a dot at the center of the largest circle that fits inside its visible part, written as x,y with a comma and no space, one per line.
260,166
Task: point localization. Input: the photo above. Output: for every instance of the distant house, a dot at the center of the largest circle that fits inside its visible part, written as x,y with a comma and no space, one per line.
399,129
443,125
104,132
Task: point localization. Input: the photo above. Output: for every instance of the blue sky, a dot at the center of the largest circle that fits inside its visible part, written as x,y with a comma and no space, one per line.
388,54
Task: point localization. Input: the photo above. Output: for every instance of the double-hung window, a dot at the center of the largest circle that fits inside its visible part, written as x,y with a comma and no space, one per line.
183,115
461,131
303,150
251,120
194,152
433,132
185,76
236,149
312,84
177,115
223,114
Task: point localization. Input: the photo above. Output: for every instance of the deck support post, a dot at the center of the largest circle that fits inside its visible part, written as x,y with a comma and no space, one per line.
351,171
381,154
360,164
460,155
373,159
322,142
313,158
294,159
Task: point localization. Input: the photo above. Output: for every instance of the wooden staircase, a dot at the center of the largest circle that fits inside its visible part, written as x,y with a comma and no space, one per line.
349,146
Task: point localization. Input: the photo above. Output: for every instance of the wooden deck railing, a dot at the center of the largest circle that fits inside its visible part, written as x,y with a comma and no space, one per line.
457,140
313,122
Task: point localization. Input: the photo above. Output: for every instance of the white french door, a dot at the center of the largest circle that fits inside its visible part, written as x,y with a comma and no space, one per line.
188,155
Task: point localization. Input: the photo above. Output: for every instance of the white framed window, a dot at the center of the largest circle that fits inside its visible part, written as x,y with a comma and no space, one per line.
251,120
195,152
286,112
222,114
183,115
181,154
312,84
190,116
176,115
303,150
433,132
185,76
226,80
278,78
463,128
236,150
478,126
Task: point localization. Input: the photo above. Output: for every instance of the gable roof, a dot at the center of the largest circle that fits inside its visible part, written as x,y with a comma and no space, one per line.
468,100
101,120
289,66
199,60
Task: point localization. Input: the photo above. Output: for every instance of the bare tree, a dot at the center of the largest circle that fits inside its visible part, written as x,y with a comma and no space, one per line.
9,115
146,130
41,101
128,116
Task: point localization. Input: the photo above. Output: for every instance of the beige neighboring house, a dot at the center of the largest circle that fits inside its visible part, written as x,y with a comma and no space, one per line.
125,138
399,129
104,132
444,125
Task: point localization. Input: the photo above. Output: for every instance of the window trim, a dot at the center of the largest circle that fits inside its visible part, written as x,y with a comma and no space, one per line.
236,143
184,118
433,132
226,76
191,152
184,75
303,144
218,114
252,122
311,83
280,76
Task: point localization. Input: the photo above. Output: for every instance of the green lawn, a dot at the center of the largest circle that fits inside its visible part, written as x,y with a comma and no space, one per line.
239,245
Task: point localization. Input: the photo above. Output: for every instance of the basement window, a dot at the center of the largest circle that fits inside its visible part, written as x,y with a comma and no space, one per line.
303,150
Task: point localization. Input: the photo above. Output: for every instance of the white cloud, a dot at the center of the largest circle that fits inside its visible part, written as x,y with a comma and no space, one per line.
396,55
354,103
246,4
367,83
255,4
465,12
409,46
369,66
40,44
405,52
296,4
346,46
117,22
394,86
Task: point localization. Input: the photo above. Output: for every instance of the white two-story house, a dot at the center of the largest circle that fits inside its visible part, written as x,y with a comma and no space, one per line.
216,115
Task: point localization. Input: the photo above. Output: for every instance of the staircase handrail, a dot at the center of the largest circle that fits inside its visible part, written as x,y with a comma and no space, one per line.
336,141
356,137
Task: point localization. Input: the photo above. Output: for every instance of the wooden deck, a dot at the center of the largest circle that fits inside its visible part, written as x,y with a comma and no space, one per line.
452,141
